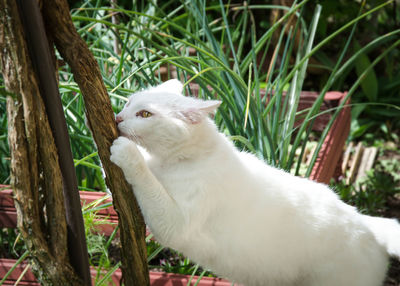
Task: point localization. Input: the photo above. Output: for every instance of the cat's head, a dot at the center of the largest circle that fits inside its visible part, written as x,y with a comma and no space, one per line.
161,118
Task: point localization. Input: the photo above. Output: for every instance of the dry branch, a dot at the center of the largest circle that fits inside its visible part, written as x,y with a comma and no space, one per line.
34,160
101,120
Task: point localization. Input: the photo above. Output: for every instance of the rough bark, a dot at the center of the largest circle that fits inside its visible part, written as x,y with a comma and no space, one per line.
34,161
101,120
43,64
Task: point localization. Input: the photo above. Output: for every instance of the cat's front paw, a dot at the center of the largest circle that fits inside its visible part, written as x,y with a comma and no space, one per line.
125,153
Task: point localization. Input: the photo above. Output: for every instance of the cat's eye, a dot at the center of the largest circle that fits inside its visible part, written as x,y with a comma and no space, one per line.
144,114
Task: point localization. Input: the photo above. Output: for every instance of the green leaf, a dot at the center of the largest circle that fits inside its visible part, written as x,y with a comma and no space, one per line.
358,130
356,110
369,83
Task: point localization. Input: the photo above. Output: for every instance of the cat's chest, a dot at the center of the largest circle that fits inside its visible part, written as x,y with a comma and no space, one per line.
179,180
174,174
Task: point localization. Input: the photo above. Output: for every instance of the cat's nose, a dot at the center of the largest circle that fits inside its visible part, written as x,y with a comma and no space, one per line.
118,119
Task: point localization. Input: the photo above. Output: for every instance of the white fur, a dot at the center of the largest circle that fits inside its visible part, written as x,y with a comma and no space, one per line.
234,214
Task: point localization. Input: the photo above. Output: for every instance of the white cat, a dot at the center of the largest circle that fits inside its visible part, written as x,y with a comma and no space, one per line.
231,212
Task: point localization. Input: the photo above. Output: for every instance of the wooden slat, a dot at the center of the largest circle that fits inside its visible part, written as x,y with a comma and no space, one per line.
355,163
332,148
367,161
156,278
8,213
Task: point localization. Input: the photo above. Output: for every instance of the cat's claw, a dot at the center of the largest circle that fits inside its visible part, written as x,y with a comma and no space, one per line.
124,152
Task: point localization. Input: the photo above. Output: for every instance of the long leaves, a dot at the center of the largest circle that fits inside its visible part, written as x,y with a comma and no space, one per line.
213,57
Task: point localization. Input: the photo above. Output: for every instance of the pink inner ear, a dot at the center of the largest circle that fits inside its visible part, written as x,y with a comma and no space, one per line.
192,116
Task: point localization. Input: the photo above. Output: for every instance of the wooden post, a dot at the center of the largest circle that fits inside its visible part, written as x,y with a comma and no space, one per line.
101,120
36,175
41,57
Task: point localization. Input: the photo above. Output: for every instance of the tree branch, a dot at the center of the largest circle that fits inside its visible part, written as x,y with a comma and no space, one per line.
101,120
34,160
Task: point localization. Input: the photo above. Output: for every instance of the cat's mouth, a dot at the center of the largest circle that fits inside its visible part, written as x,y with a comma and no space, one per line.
122,132
131,136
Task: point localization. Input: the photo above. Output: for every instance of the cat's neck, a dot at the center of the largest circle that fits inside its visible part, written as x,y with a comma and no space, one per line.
205,140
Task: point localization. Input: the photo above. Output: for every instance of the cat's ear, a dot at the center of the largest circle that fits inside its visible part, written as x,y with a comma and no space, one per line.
172,86
199,110
208,106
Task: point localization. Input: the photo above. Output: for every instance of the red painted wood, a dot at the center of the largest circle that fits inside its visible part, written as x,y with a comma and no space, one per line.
156,278
332,149
8,213
168,279
29,278
334,95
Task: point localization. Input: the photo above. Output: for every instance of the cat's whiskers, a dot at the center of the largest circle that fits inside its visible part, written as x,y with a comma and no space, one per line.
137,139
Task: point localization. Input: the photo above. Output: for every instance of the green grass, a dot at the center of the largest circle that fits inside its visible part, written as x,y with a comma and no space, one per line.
4,150
228,62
